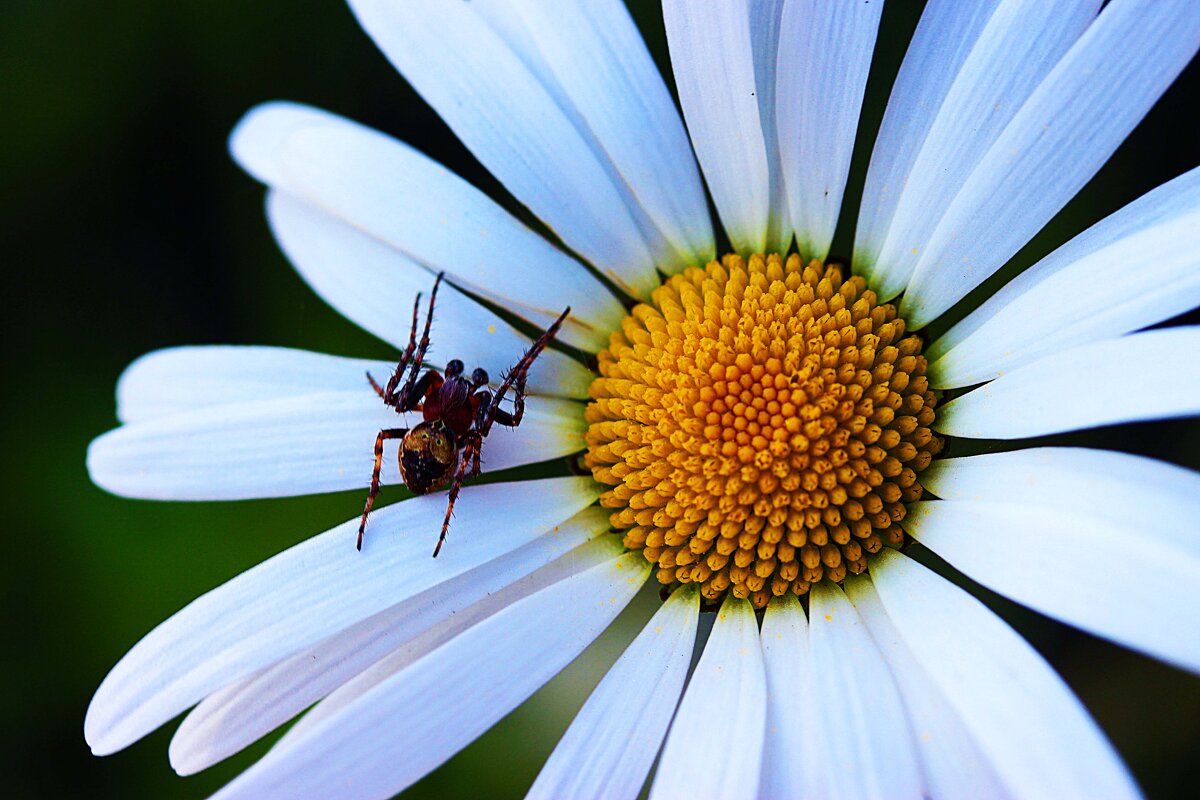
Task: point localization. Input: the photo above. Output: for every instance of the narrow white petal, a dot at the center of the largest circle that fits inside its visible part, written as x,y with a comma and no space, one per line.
715,745
375,286
765,18
431,216
591,58
1135,268
178,379
406,726
240,714
864,735
1143,376
1015,50
296,445
951,762
609,748
787,752
413,211
582,558
510,121
1037,736
1062,135
824,57
1150,497
945,36
713,60
1068,562
256,142
312,591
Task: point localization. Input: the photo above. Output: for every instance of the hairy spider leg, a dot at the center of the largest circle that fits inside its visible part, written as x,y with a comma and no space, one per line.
489,413
404,357
472,447
483,409
515,378
468,467
413,356
384,435
418,392
405,396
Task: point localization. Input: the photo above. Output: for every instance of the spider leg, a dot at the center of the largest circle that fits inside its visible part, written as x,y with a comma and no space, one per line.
404,396
515,379
411,400
389,394
410,360
468,467
511,420
378,389
483,409
476,467
384,435
486,409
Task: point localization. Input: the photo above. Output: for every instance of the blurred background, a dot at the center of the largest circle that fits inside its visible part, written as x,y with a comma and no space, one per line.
127,228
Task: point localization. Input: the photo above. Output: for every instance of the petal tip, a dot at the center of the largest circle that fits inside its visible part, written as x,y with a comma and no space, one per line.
256,139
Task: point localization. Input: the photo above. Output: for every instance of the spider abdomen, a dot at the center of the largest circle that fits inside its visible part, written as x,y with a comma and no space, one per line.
428,456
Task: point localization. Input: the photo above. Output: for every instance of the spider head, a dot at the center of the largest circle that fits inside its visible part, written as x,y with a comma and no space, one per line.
428,456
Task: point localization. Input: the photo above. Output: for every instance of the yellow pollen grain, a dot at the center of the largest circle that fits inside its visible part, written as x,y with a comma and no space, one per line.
761,425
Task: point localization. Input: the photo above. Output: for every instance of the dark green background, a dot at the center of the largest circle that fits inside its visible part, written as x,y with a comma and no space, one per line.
127,228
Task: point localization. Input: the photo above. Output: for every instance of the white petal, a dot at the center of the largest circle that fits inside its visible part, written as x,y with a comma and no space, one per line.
1063,134
391,736
240,714
408,211
591,58
788,754
414,212
1150,497
375,286
256,142
951,762
312,591
945,36
1137,267
179,379
430,215
864,734
296,445
765,18
824,57
712,57
715,745
1036,734
582,558
1019,45
609,748
1067,563
1143,376
506,117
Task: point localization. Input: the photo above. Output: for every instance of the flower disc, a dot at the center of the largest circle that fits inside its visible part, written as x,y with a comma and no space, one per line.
762,425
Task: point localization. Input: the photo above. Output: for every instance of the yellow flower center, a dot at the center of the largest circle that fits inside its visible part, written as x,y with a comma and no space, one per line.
762,425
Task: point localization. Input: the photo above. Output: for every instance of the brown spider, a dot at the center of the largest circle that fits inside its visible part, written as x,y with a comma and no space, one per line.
458,415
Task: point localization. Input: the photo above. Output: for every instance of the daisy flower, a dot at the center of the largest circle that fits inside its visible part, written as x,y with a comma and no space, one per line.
764,426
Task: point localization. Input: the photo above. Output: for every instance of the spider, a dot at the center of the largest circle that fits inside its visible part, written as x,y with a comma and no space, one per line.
458,414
